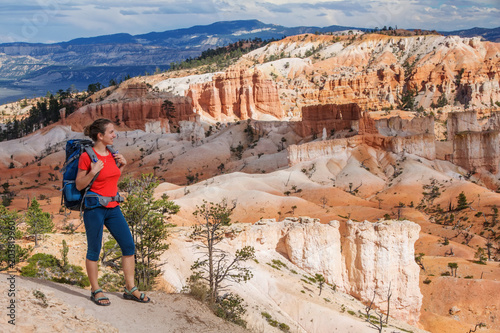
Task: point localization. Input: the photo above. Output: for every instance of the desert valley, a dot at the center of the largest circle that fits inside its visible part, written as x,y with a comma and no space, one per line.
345,155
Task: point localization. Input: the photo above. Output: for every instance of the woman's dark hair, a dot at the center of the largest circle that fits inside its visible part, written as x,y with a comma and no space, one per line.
98,126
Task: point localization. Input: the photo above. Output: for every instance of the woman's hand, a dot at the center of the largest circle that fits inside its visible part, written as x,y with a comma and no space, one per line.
83,178
120,159
96,167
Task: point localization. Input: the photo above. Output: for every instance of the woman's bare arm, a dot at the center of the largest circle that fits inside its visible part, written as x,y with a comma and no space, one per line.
83,178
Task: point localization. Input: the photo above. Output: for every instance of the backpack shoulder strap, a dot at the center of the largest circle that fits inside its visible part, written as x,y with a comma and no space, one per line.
113,152
93,158
91,153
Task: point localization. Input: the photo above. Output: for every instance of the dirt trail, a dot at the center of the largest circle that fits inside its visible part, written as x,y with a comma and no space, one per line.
70,310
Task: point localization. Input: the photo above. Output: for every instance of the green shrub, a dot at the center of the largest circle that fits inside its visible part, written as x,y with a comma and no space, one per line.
112,282
231,308
284,327
273,322
266,315
41,297
48,267
197,289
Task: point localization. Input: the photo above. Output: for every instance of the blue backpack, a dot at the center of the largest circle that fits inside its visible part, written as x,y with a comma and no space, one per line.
71,197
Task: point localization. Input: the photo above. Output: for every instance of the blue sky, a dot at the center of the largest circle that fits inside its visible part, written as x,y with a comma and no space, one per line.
49,21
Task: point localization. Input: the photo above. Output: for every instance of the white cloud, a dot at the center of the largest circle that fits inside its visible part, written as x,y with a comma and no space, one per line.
44,20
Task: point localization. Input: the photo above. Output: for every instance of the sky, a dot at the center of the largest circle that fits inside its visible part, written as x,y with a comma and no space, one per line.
50,21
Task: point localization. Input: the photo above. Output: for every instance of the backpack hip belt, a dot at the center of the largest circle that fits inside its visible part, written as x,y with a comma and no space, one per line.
93,200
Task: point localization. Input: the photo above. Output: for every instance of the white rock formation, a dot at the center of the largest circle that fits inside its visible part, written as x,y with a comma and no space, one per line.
362,259
380,258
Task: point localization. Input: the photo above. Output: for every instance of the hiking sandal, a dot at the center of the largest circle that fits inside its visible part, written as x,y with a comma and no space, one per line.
128,295
99,300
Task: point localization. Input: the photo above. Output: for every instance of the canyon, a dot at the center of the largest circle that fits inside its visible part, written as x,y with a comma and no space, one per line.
330,174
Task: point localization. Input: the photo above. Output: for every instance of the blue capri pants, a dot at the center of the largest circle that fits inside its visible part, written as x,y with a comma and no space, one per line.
114,221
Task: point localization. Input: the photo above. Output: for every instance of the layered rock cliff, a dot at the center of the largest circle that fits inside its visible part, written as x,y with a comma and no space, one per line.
237,93
397,126
134,107
461,122
422,145
375,71
477,150
329,118
360,258
475,146
379,259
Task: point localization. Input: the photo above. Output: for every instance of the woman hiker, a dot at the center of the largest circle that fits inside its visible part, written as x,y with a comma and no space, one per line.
108,169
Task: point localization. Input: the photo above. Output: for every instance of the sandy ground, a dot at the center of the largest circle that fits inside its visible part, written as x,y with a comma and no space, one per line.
70,310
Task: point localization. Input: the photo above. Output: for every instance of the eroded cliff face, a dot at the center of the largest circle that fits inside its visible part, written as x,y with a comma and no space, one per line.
379,259
134,107
461,122
329,118
476,146
422,145
477,150
360,258
374,71
237,93
396,126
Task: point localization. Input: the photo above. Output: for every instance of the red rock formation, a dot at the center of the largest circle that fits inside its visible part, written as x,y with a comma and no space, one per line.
330,117
136,90
367,125
133,114
374,71
477,150
415,136
370,89
133,109
237,93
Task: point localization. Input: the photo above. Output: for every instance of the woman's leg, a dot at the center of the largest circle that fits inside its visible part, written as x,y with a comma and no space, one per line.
94,221
119,229
128,265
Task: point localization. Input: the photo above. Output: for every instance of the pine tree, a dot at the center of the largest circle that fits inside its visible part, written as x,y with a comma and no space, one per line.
462,201
39,222
216,266
148,219
480,255
10,253
453,266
